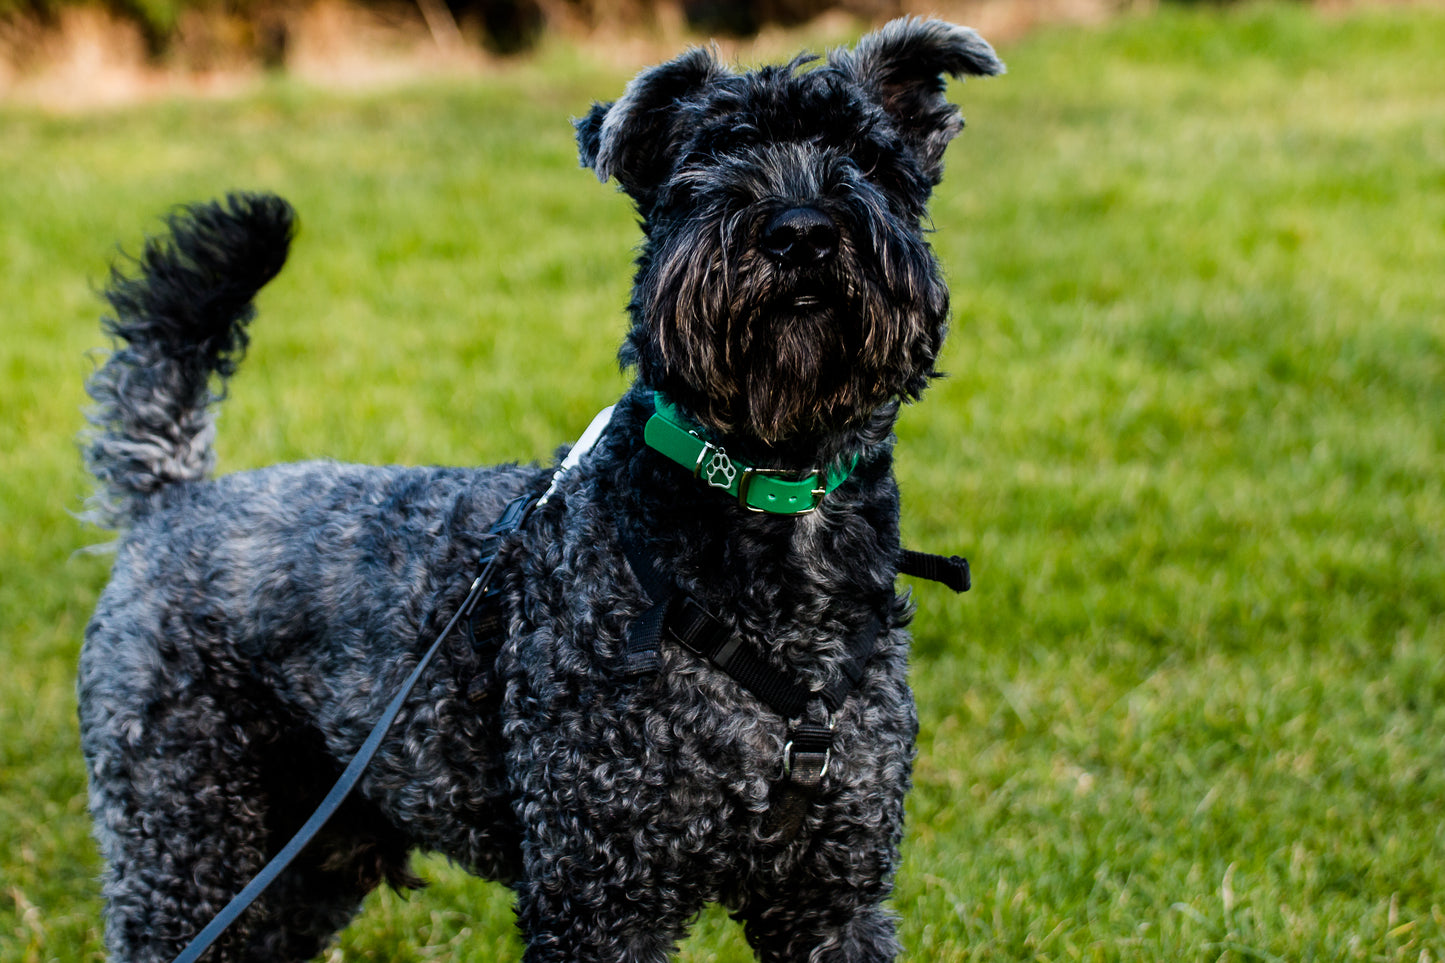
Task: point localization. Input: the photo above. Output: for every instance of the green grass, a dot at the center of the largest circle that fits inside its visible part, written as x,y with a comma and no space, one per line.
1193,440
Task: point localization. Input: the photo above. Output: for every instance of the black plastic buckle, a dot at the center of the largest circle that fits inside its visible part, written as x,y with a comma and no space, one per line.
808,753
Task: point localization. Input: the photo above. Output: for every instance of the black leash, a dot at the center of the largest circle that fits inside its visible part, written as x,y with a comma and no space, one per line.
513,516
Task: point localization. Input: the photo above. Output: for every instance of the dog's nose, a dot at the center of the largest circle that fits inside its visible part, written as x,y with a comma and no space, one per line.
801,237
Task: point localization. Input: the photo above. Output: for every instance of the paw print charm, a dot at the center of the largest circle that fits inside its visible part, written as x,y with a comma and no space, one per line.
720,472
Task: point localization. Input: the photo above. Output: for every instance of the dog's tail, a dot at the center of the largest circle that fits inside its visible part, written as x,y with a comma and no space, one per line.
179,324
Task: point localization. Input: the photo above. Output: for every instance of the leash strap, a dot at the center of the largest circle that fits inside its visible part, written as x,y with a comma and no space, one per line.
512,518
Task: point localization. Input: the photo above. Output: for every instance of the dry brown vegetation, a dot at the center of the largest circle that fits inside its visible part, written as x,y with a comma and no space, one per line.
84,56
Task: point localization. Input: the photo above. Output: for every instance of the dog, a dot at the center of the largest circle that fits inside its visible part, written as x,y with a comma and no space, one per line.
690,685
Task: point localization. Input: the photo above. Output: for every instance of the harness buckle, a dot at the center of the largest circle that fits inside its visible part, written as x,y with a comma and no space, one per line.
808,751
827,755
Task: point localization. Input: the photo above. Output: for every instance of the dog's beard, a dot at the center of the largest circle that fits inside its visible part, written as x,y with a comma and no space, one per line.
796,357
779,353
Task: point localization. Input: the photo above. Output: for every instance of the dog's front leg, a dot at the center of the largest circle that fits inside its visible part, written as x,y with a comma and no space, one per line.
830,908
595,905
818,923
598,885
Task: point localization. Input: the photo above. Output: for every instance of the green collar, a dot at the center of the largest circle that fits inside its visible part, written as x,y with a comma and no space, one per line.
771,490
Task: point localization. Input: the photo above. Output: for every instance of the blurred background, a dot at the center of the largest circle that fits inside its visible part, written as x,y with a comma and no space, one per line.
1192,436
60,52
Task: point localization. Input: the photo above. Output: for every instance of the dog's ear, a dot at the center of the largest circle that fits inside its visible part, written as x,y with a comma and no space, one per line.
635,140
902,67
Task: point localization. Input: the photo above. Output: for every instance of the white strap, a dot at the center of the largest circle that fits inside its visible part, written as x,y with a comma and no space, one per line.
583,446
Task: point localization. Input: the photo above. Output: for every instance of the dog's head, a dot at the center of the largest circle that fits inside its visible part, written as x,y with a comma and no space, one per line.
785,289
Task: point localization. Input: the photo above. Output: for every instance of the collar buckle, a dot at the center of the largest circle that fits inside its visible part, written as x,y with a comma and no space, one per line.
817,491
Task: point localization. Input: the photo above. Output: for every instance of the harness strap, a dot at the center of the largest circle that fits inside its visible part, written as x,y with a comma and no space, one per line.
641,654
951,570
861,646
691,625
705,635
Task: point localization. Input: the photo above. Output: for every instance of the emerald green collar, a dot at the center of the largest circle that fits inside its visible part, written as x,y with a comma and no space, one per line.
771,490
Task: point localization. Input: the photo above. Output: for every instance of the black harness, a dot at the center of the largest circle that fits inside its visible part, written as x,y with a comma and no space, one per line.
808,745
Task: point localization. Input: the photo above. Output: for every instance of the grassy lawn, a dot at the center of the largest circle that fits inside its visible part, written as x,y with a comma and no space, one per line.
1193,440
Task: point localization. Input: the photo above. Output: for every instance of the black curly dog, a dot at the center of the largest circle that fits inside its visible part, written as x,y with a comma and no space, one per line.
693,684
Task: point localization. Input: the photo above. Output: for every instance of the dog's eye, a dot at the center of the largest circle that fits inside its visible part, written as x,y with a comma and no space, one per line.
864,164
727,136
867,160
681,189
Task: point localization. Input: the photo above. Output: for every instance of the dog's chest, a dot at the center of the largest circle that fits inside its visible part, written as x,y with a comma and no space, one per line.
682,755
